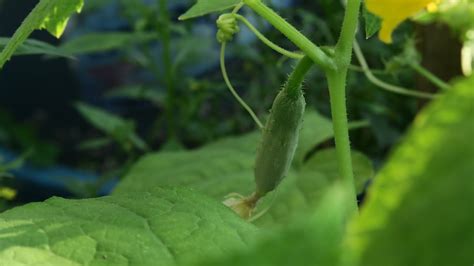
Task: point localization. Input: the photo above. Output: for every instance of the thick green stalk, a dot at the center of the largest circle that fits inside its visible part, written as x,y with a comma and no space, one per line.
337,90
347,36
318,56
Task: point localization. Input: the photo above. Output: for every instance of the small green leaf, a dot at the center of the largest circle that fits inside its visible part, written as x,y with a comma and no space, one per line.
51,15
168,226
94,144
123,131
58,13
137,92
34,47
204,7
105,41
372,23
420,208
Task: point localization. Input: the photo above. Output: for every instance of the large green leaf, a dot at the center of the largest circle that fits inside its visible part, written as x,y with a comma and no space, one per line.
215,172
105,41
227,166
165,227
229,170
420,209
51,15
228,163
204,7
314,240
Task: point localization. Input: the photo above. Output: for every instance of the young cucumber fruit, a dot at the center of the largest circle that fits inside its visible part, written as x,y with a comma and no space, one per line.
279,140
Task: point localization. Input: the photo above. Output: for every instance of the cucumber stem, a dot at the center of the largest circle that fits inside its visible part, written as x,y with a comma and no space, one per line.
295,80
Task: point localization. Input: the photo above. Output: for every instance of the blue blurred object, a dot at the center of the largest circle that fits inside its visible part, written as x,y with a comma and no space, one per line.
56,177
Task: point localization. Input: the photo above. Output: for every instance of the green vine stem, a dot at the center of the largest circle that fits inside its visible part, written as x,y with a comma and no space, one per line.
169,76
232,89
382,84
295,80
267,42
430,76
314,52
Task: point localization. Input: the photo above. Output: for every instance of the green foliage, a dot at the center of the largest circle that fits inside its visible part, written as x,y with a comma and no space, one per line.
314,240
325,162
303,189
230,159
123,131
204,7
105,41
226,169
137,92
372,23
229,166
51,15
169,226
419,210
35,47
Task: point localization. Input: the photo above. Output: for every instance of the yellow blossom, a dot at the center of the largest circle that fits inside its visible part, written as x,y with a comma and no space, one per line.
394,12
7,193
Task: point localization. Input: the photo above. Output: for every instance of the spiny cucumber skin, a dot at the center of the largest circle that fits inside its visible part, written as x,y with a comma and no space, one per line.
279,141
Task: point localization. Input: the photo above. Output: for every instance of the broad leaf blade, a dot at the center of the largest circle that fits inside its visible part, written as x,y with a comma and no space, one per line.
204,7
172,227
215,172
51,15
419,210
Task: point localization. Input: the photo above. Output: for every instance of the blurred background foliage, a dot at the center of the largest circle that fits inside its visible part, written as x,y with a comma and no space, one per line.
131,79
